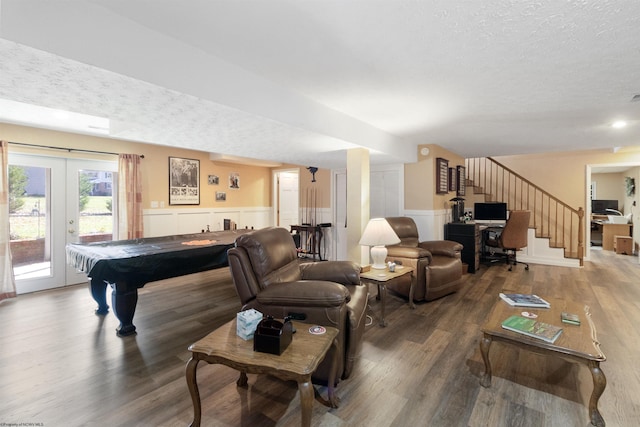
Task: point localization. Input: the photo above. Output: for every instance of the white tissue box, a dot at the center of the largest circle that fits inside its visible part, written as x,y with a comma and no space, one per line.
247,322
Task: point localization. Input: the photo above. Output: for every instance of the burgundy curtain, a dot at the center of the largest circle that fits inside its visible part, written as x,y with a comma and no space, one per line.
8,281
130,197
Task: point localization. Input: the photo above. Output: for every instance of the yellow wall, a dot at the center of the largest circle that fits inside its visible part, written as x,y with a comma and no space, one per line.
420,180
255,182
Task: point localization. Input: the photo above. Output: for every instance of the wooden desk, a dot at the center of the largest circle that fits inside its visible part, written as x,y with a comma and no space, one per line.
576,343
296,363
380,278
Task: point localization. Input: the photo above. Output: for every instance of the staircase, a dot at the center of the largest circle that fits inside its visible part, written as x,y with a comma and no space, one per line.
551,219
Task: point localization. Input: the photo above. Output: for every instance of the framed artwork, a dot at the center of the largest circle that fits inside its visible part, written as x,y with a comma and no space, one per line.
213,180
234,180
184,181
461,190
453,179
630,185
221,196
442,175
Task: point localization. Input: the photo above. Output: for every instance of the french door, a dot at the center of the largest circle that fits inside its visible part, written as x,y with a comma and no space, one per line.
55,201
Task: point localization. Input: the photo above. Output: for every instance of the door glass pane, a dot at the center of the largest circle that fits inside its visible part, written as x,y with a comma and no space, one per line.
95,204
29,221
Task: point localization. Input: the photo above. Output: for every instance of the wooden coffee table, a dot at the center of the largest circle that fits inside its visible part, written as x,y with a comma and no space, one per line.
576,343
380,278
297,362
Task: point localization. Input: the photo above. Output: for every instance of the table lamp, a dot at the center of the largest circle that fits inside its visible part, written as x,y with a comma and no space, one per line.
376,234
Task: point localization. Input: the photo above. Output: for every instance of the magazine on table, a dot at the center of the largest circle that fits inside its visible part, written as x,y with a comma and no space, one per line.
532,328
524,300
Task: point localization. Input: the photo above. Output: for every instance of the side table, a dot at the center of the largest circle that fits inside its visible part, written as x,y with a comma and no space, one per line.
380,278
296,363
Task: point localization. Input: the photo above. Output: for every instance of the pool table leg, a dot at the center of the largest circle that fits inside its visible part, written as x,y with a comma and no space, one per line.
124,300
98,289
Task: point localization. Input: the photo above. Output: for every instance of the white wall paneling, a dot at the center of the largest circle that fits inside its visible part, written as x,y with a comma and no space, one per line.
430,223
164,222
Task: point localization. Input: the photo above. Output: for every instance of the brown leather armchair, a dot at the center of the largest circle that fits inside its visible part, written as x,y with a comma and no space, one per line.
270,278
437,264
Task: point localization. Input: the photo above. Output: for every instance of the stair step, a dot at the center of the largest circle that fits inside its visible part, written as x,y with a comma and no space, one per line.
552,241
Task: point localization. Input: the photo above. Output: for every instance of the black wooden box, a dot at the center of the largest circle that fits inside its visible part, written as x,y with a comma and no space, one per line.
272,336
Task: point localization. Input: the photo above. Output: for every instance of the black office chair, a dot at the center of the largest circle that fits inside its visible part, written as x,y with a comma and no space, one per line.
513,238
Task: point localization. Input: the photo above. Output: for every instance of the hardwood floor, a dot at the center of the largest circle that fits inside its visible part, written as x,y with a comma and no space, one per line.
61,365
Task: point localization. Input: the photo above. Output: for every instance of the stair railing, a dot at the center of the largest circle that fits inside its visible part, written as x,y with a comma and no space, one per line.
550,217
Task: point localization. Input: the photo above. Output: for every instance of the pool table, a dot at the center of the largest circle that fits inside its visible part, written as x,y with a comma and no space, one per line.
127,265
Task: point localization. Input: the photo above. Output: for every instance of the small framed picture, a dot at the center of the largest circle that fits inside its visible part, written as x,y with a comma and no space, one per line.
221,196
452,179
213,180
234,180
442,176
461,180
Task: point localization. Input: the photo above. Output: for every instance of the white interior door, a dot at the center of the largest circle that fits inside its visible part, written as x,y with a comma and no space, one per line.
288,198
47,216
385,193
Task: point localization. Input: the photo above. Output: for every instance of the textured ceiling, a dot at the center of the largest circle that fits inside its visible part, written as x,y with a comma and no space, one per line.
302,81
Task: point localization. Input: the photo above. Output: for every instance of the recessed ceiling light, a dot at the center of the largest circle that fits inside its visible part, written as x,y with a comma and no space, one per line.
619,124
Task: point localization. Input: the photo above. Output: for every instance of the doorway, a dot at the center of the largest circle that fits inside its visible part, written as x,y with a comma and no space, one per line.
55,201
613,188
286,197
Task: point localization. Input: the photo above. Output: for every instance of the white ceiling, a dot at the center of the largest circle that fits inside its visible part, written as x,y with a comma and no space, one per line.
301,81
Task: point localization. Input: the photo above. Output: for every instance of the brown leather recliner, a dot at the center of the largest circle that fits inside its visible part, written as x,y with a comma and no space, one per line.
437,264
270,278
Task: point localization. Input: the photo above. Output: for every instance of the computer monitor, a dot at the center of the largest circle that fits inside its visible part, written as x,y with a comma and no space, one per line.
601,206
496,211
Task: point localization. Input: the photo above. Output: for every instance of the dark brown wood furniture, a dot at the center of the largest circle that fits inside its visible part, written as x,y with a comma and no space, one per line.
467,234
576,343
296,363
311,238
380,279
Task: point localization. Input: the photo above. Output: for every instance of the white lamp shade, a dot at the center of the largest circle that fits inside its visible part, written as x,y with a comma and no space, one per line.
378,233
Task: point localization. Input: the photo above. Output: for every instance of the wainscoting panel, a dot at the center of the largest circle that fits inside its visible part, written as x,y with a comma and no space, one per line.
164,222
430,223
